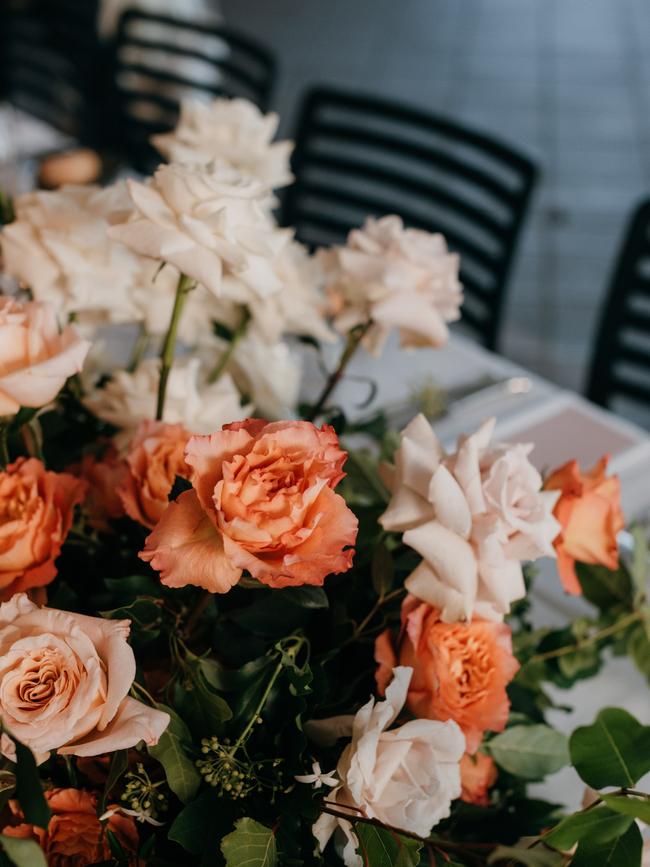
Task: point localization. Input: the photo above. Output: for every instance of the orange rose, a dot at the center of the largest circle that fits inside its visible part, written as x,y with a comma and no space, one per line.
36,509
460,670
156,456
103,477
478,774
589,511
75,837
262,500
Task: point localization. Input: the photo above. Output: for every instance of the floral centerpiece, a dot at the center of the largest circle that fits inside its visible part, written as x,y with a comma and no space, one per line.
227,637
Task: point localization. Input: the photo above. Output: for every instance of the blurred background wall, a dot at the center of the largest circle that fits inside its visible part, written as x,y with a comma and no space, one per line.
566,80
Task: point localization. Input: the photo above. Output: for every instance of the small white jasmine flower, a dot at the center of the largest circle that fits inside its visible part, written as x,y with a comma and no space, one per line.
318,778
138,815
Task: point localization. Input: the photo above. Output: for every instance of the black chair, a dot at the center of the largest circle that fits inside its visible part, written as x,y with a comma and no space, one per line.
357,156
49,63
620,365
159,59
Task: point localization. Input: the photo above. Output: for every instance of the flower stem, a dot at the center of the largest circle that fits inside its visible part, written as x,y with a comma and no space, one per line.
32,436
197,611
352,344
237,335
139,349
4,444
619,626
185,285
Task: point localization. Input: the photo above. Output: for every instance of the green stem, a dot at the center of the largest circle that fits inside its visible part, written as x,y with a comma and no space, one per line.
197,611
185,286
32,436
384,600
140,347
4,445
352,344
237,335
619,626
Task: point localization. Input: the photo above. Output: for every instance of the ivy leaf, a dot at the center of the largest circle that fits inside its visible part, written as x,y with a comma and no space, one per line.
531,752
599,825
614,751
250,845
194,827
639,808
382,847
623,851
182,776
23,852
29,790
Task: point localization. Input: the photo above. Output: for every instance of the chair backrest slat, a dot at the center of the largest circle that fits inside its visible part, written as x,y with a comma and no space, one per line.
159,59
620,364
360,156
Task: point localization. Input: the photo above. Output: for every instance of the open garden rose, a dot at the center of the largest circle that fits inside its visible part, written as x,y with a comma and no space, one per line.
460,670
35,357
156,456
65,681
233,131
206,220
473,515
590,516
393,277
103,477
74,836
405,777
262,500
128,399
36,511
478,774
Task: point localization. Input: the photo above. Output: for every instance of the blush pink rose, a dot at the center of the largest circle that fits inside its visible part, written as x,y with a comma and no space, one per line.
65,681
74,836
263,500
36,511
460,670
35,358
156,456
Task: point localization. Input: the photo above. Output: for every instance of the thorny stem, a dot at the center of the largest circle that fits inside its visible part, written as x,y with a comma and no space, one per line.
184,287
592,639
237,335
354,339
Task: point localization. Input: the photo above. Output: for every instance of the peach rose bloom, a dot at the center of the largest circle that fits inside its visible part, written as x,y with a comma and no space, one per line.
65,681
262,500
35,358
460,670
103,477
478,774
75,837
36,511
589,512
155,457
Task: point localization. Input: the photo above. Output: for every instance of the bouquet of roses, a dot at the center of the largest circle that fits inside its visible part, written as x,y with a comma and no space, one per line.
232,640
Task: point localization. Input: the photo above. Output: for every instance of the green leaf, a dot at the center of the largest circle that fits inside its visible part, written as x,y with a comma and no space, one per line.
614,751
304,597
640,560
29,789
383,570
537,857
250,845
599,824
604,588
381,847
182,776
23,852
531,752
194,826
630,805
119,764
638,648
623,851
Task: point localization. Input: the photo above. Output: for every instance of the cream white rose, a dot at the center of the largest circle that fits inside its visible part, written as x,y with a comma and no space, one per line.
59,248
473,516
405,777
206,220
129,398
269,374
396,278
65,681
233,131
